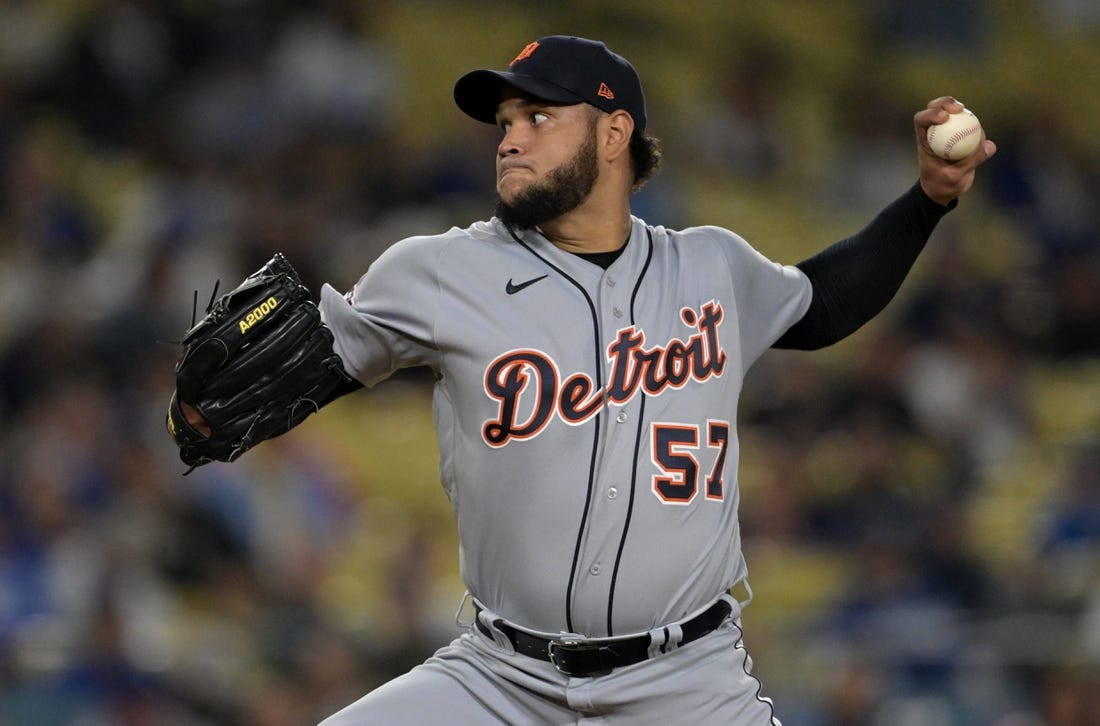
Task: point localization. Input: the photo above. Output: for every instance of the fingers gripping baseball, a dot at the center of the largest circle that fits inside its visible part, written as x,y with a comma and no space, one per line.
944,180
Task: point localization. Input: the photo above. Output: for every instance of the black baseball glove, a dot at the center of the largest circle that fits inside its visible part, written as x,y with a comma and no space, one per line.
258,363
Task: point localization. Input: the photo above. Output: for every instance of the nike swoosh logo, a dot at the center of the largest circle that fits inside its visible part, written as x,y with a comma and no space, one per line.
512,288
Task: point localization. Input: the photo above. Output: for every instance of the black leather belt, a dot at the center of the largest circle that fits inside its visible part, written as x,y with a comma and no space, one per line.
583,658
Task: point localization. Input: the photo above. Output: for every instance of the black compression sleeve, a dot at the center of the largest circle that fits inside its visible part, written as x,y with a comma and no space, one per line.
350,385
855,278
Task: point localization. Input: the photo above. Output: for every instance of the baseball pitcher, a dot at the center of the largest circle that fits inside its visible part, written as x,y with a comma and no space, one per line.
588,366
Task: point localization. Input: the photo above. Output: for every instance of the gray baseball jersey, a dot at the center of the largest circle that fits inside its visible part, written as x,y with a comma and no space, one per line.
585,417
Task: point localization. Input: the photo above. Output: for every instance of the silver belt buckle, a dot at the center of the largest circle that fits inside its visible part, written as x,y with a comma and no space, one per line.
567,644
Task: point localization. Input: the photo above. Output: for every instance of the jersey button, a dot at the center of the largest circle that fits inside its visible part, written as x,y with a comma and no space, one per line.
612,492
594,569
617,312
621,418
611,282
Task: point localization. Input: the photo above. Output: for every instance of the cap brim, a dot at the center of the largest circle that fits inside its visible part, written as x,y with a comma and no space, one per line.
478,93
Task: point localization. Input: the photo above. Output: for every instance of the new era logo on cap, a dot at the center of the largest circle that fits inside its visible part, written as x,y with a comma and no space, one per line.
561,69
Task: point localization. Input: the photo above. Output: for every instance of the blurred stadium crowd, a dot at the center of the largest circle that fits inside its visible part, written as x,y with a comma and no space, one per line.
921,503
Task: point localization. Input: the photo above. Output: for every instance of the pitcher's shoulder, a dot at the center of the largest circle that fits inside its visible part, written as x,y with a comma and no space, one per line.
699,237
482,231
437,242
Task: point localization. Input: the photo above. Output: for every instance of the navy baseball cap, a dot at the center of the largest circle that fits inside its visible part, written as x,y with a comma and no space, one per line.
560,69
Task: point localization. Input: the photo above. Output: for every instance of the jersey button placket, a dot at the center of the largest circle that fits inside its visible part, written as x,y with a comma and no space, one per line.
606,517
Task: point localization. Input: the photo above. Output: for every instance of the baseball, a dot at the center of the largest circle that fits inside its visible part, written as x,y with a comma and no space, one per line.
957,137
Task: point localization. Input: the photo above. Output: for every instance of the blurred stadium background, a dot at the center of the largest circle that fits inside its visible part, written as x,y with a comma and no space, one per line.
921,503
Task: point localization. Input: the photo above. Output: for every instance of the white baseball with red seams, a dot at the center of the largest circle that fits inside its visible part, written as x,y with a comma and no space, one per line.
956,138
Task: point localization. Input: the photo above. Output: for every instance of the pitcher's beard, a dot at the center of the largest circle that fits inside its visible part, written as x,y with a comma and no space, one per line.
564,189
